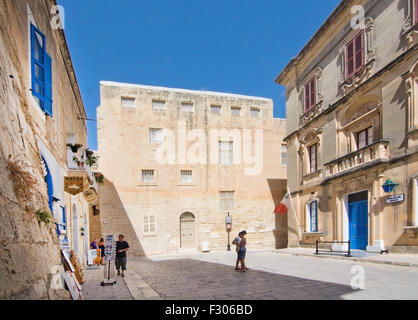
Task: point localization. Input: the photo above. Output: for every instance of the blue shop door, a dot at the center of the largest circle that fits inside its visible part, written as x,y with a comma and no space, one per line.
358,214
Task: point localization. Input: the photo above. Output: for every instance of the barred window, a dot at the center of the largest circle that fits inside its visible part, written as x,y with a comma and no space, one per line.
215,109
149,224
186,176
155,136
158,104
187,107
235,111
128,102
226,152
148,176
227,200
255,112
283,152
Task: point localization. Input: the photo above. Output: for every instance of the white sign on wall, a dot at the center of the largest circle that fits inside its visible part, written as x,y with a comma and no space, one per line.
395,199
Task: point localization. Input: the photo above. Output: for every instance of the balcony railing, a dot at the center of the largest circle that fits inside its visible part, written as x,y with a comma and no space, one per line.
76,161
367,155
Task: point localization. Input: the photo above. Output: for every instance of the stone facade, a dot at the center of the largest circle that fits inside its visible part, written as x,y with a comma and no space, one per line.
362,124
33,153
167,214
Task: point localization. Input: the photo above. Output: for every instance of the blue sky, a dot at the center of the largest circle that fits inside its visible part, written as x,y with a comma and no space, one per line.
234,46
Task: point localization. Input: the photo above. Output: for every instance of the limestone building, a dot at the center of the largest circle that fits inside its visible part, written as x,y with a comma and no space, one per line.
41,112
352,106
176,162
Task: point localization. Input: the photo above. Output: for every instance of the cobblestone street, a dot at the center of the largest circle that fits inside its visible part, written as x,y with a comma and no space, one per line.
271,276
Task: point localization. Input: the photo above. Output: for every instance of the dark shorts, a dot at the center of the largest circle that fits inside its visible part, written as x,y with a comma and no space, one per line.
120,262
241,254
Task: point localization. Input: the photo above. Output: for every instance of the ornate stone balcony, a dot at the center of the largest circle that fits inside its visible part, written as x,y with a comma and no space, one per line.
372,154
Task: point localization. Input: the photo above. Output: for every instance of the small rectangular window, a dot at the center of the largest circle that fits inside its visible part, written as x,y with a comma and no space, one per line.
187,107
355,55
128,102
158,104
364,138
313,212
235,111
226,152
227,200
148,176
149,224
155,136
186,176
310,94
416,11
215,109
255,112
313,154
283,152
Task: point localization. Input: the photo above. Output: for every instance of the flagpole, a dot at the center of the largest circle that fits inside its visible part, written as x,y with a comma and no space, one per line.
294,212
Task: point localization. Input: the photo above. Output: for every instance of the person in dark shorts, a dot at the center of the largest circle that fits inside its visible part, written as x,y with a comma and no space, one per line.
242,250
121,248
236,242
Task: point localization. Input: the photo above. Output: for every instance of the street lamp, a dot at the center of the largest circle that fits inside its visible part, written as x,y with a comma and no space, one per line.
389,186
228,229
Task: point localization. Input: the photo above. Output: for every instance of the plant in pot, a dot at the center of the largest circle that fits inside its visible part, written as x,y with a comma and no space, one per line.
80,163
74,147
91,159
99,177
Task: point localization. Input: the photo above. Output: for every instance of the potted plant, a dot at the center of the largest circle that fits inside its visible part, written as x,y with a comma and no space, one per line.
80,163
74,147
91,159
99,177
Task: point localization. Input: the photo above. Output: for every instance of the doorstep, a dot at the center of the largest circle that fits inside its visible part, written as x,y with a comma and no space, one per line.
403,260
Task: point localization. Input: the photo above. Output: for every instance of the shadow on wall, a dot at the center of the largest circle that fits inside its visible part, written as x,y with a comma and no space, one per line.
115,220
278,190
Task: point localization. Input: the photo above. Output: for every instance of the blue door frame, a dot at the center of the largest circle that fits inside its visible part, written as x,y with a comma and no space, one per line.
358,224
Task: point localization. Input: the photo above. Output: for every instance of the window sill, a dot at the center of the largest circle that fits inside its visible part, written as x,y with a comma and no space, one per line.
148,185
149,235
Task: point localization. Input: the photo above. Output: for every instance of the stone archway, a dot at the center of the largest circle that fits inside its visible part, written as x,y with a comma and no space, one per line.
187,231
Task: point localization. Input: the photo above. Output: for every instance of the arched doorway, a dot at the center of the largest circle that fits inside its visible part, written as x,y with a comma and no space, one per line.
75,229
187,231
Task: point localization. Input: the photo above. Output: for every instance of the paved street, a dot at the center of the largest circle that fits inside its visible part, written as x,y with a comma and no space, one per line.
271,276
92,290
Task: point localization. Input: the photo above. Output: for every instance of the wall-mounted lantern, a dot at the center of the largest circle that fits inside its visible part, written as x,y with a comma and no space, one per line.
389,186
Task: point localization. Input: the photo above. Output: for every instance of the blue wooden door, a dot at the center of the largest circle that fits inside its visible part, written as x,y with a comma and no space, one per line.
358,214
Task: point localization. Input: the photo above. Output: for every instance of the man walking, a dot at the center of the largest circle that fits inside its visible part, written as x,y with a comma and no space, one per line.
121,248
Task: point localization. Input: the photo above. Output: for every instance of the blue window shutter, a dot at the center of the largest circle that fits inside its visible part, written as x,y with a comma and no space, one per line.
48,85
38,50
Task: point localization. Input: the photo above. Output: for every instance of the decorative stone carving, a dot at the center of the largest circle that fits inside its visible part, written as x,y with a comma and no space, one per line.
409,30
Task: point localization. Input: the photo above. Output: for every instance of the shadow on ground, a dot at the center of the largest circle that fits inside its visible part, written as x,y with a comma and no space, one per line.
188,279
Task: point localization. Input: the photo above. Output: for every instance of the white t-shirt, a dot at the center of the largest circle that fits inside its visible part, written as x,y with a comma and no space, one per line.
237,241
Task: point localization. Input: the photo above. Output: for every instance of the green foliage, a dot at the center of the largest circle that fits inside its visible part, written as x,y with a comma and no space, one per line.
44,216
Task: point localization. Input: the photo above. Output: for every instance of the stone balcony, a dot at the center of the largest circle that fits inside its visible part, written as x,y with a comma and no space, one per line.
375,153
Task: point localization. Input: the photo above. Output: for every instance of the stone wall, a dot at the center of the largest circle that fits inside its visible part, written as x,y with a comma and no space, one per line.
29,250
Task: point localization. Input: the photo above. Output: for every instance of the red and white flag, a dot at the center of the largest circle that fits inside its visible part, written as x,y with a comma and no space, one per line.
284,206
